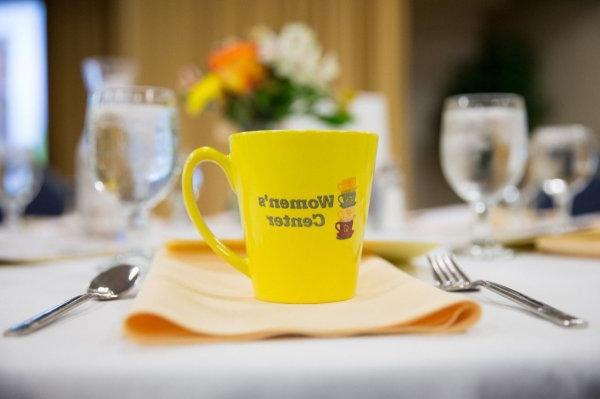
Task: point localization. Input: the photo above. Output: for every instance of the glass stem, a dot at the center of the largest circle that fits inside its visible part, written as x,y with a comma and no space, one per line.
482,229
137,235
138,220
12,218
564,205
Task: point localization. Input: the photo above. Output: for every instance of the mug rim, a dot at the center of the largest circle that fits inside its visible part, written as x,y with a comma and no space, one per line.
305,131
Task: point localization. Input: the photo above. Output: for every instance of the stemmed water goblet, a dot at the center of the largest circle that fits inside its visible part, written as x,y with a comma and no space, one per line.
564,159
99,215
134,137
20,181
483,151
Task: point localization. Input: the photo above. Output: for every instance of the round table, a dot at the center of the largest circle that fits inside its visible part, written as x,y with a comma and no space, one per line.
509,353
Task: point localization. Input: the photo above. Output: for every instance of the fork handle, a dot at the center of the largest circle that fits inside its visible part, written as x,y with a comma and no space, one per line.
546,311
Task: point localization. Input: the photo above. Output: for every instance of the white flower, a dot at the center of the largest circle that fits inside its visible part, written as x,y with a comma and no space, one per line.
297,55
326,106
329,70
266,41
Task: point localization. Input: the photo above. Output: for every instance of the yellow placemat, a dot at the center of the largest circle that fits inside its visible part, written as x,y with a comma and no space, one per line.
195,297
582,243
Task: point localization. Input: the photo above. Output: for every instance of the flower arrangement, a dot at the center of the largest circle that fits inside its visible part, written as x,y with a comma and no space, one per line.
259,82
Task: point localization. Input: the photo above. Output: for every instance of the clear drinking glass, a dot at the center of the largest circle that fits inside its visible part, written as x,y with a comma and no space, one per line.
20,181
564,159
99,72
133,136
99,213
483,151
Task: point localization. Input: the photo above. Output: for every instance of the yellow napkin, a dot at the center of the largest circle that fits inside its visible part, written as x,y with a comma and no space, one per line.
581,243
193,296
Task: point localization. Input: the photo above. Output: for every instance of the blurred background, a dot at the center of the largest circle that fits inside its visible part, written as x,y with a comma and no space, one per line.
413,53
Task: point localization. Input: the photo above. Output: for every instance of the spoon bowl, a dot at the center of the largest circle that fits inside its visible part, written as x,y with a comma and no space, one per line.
114,282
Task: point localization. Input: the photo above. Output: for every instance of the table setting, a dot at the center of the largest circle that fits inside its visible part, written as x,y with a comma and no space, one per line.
506,344
294,291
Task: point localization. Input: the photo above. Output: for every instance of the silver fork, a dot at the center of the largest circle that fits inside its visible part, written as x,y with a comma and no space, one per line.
450,277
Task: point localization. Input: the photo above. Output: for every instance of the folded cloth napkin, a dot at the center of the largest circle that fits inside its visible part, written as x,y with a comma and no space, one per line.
581,243
193,296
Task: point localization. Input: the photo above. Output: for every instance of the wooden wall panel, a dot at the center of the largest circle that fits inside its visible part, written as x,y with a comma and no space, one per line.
76,29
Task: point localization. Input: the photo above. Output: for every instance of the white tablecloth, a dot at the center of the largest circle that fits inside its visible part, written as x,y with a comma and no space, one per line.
508,354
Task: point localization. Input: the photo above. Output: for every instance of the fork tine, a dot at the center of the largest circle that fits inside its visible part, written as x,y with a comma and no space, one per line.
454,265
450,269
437,276
439,268
452,277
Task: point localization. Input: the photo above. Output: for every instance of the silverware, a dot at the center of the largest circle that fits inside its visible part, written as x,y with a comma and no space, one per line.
110,284
449,277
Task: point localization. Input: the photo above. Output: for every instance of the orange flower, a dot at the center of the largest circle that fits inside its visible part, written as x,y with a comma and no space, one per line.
237,66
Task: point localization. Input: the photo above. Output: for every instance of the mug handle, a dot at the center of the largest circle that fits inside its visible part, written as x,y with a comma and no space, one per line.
208,154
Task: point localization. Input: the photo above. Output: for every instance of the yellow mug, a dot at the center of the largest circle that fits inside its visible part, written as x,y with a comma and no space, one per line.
287,183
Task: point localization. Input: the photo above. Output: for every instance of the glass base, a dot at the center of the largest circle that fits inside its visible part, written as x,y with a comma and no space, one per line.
484,252
561,227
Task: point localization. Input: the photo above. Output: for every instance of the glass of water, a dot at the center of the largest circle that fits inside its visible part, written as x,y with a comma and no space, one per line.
483,151
133,140
564,159
20,181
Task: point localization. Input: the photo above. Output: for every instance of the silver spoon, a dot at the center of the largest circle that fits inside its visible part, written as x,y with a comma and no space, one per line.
110,284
